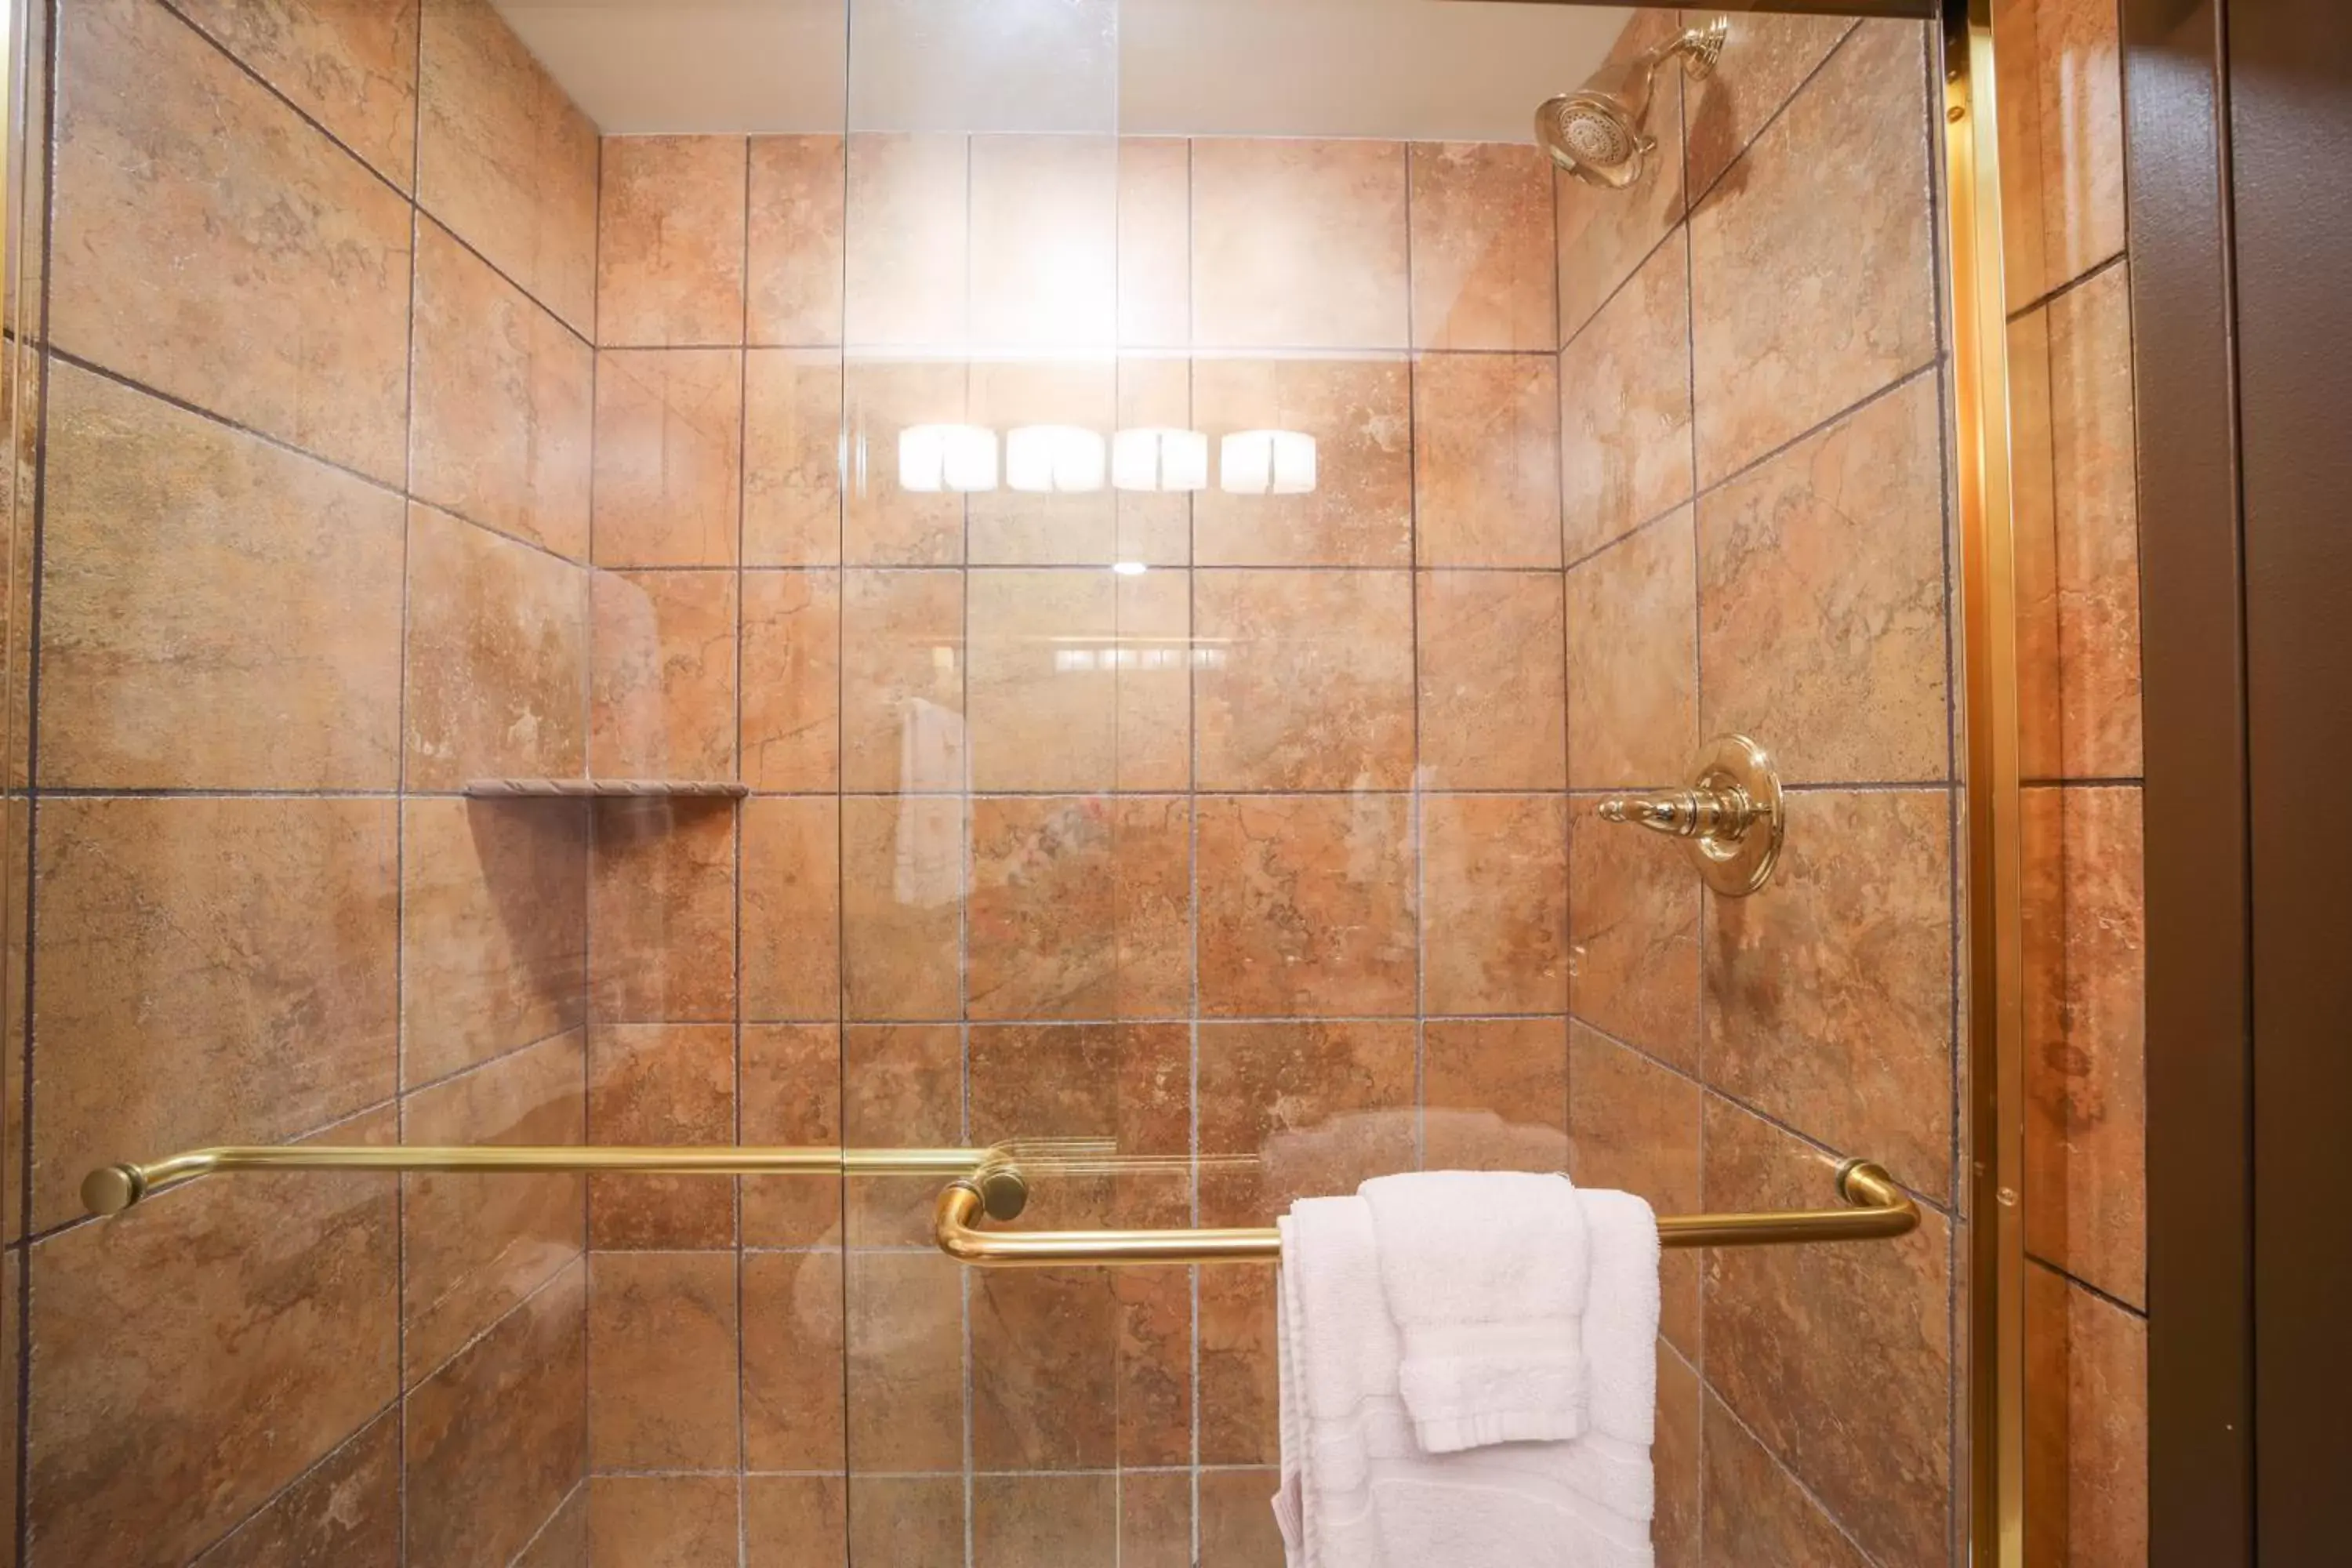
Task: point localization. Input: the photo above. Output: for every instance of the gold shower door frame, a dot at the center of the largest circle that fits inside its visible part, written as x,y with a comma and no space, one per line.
1993,1036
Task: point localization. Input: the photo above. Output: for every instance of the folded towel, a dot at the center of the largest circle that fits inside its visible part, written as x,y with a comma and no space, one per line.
1484,1274
1359,1492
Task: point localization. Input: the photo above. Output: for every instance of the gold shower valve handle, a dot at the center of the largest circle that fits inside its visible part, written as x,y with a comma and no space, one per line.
1730,818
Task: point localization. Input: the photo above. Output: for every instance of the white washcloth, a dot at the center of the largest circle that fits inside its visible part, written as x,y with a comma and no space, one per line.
1357,1490
1485,1273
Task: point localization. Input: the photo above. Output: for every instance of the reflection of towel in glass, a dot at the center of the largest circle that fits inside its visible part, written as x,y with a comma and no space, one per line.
930,805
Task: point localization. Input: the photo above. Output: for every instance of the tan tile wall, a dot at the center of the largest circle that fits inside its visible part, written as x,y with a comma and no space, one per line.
1755,516
313,552
2078,554
1260,853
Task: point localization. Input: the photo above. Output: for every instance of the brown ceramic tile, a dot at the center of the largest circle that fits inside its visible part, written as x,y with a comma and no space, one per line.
1765,61
1486,439
793,285
1268,214
1632,926
1829,994
2095,516
1044,241
1081,1368
505,160
790,1095
1237,1524
905,1363
902,671
902,886
1821,599
503,402
1632,706
494,928
1625,408
1494,903
216,612
1756,1512
670,241
2033,528
1360,412
905,1518
351,67
1125,1084
476,1246
286,307
2086,1197
881,524
562,1540
790,735
229,1393
495,1437
909,243
1602,235
1811,274
1081,907
264,930
17,814
1040,695
1838,1358
1676,1453
1308,679
661,911
1010,526
1324,1105
793,1368
1493,714
1307,905
792,457
1153,528
1155,240
497,657
1018,1522
1240,1399
905,1087
12,1365
1494,1094
662,699
664,1522
669,456
2060,67
801,1521
1155,1520
791,907
661,1340
1154,684
346,1513
2086,1425
1634,1126
1482,246
661,1085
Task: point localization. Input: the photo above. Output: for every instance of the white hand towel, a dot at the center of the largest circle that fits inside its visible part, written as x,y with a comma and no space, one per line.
1485,1276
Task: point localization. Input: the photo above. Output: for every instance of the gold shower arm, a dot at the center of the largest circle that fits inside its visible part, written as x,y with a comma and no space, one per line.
1875,1209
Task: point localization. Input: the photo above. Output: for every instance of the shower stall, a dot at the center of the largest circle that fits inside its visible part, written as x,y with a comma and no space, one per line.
735,728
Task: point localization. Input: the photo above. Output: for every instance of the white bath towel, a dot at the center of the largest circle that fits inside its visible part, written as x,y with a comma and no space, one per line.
1357,1490
1484,1276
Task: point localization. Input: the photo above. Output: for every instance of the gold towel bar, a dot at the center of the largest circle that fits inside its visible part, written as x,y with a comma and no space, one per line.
991,1182
1876,1208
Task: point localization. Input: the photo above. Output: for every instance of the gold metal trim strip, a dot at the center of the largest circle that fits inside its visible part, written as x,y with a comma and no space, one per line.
1876,1210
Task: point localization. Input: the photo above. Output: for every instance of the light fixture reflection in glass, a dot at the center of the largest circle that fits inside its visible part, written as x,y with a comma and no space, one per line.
1266,462
1054,459
1130,568
1155,458
933,457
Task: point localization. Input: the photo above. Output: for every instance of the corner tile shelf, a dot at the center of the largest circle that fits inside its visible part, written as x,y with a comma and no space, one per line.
607,789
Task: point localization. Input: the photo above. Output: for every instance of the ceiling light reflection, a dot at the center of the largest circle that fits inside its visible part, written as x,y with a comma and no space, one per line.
1054,459
1156,458
934,457
1266,462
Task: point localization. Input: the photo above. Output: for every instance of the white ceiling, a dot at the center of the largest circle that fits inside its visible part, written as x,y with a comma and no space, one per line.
1409,68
